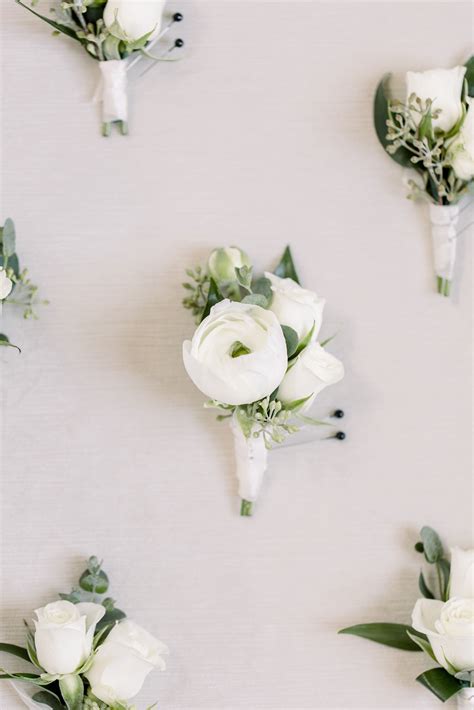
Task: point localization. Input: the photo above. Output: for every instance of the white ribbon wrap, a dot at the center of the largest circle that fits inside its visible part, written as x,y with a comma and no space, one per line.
113,90
251,456
465,699
444,219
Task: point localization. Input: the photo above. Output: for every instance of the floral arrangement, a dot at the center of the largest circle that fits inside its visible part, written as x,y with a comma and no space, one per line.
432,134
117,34
442,622
255,355
16,288
86,654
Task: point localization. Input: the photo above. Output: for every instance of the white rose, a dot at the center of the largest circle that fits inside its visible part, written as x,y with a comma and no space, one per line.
461,580
238,354
223,263
6,284
313,370
461,150
123,661
64,635
296,306
450,630
136,17
444,88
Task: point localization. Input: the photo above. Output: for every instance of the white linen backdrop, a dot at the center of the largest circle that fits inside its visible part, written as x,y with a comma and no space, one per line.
260,137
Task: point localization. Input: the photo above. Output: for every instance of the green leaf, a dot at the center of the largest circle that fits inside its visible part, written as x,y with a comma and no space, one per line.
238,349
46,697
286,268
59,28
323,343
432,545
425,127
469,76
8,238
12,263
424,644
28,677
214,296
15,651
72,690
305,342
291,339
402,155
424,589
111,46
111,616
244,276
441,683
394,635
296,404
263,286
256,299
6,343
445,569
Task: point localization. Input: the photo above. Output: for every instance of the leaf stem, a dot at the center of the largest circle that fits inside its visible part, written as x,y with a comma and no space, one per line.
246,508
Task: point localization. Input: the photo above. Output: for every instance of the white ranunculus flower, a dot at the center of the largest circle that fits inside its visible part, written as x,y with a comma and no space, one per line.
212,358
313,370
136,17
6,284
123,661
449,627
461,580
296,306
444,88
64,634
223,263
461,149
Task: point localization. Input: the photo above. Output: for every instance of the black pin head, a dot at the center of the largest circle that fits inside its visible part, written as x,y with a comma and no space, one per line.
177,17
339,413
340,435
179,42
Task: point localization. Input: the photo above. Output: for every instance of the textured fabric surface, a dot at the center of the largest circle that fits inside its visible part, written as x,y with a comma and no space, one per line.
261,136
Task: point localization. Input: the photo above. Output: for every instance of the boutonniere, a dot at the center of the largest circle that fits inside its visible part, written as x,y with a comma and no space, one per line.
117,34
255,354
442,621
16,288
86,654
431,132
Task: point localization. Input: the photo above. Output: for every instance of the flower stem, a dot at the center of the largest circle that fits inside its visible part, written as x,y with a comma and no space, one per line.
444,286
246,508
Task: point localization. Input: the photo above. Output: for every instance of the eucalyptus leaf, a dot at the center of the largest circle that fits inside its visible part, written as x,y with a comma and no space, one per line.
432,545
441,683
244,275
110,617
256,299
214,296
14,650
291,339
111,47
286,267
424,589
394,635
97,583
8,238
469,75
13,264
263,286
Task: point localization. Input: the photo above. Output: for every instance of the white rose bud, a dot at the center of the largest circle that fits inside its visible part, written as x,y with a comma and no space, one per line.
123,661
238,353
296,306
223,263
444,88
64,635
313,370
461,580
136,17
461,150
6,284
450,630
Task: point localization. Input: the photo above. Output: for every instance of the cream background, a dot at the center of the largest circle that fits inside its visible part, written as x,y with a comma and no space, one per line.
261,136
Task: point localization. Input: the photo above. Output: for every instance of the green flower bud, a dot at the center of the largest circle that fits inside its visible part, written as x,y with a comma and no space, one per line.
223,262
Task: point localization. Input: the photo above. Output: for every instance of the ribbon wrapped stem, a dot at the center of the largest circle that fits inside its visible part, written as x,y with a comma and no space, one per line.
251,457
444,220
